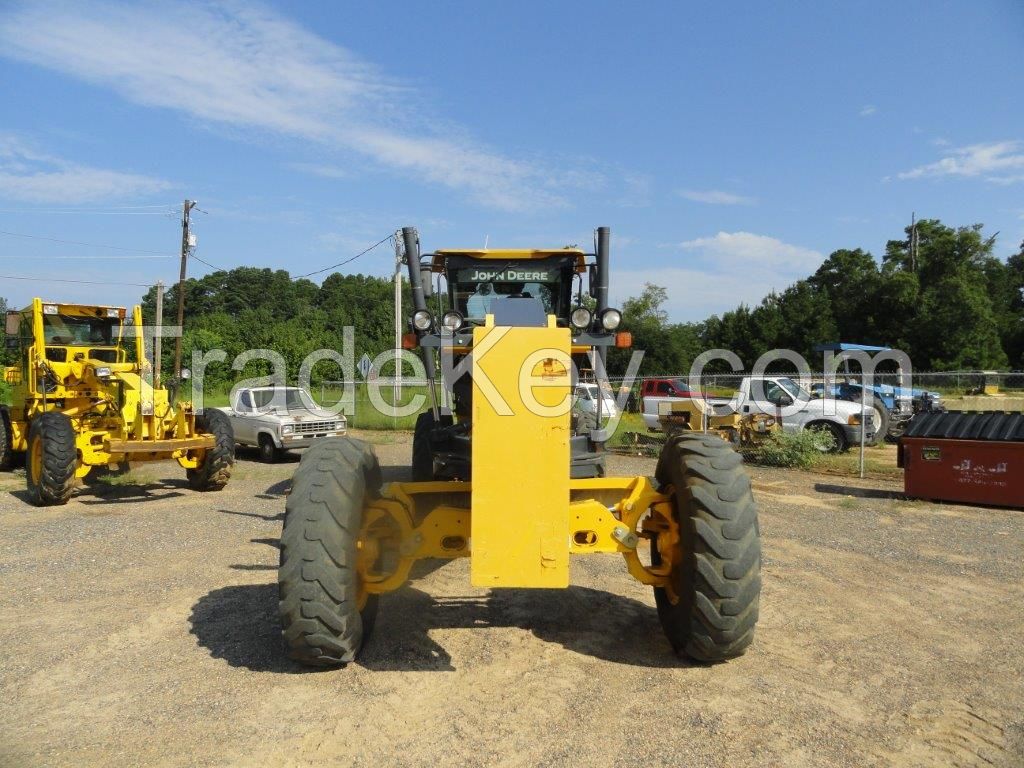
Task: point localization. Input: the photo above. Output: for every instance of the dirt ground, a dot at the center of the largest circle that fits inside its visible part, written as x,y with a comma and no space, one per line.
139,628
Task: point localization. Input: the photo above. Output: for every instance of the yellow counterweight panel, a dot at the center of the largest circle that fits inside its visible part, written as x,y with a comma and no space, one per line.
520,486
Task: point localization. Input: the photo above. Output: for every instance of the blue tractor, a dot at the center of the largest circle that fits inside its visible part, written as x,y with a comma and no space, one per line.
893,406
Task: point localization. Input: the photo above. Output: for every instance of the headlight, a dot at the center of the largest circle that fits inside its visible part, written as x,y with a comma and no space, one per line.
610,319
49,309
422,320
854,419
580,318
451,320
103,372
287,429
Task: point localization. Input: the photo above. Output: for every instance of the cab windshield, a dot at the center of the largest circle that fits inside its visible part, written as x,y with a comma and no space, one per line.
476,283
76,330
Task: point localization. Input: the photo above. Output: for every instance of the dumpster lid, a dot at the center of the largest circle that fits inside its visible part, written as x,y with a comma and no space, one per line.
968,425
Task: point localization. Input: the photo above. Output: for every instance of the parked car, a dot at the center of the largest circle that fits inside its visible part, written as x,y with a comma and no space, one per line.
586,403
278,419
841,419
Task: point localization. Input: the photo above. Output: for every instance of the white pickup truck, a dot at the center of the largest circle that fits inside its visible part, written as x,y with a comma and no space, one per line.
276,419
769,394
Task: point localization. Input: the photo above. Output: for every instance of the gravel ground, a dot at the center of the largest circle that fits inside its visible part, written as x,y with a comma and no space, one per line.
140,628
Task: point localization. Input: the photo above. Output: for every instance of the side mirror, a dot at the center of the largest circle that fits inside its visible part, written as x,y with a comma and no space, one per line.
12,342
186,374
592,280
13,321
785,400
426,280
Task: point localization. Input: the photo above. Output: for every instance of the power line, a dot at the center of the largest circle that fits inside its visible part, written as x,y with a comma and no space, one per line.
103,258
88,245
347,261
211,266
90,213
66,280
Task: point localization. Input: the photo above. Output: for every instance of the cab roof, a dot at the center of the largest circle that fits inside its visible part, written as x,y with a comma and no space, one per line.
440,256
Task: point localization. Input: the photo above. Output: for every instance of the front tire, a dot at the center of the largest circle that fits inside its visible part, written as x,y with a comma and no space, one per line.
52,459
711,607
215,471
269,453
325,614
839,443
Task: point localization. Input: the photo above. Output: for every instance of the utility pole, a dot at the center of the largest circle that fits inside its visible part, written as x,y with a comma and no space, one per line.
186,209
398,321
913,242
157,346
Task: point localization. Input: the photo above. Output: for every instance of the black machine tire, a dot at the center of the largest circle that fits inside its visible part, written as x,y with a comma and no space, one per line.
97,474
718,579
215,471
321,621
882,428
839,441
269,453
422,450
6,439
52,459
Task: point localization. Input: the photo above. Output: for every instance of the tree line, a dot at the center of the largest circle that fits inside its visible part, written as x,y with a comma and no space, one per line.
948,303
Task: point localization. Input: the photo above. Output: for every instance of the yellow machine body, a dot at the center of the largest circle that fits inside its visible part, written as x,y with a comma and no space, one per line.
520,505
522,516
118,416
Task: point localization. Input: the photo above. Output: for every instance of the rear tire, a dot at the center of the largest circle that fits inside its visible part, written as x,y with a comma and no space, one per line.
717,577
322,621
422,449
6,440
881,423
52,459
215,471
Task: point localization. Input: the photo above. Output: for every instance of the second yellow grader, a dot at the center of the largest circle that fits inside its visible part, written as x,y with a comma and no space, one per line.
82,409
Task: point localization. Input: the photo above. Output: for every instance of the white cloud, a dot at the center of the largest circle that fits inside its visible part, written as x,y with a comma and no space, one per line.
715,197
720,272
325,170
867,110
246,66
29,176
999,161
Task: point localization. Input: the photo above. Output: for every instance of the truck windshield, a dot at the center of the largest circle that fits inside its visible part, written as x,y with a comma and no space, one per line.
291,399
794,389
478,282
75,330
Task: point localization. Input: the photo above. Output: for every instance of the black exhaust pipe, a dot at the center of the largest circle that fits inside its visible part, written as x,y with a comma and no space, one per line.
604,237
411,241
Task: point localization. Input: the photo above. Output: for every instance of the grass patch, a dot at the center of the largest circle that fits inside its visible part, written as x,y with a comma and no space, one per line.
878,463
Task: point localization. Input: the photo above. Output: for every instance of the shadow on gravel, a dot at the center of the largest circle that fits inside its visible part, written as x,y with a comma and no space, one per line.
268,518
240,625
108,493
861,493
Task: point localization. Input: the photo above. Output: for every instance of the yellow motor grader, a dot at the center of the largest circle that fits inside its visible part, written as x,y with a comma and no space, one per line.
508,478
80,408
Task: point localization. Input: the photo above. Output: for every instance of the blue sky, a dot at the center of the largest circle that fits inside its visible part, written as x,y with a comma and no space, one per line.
730,147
